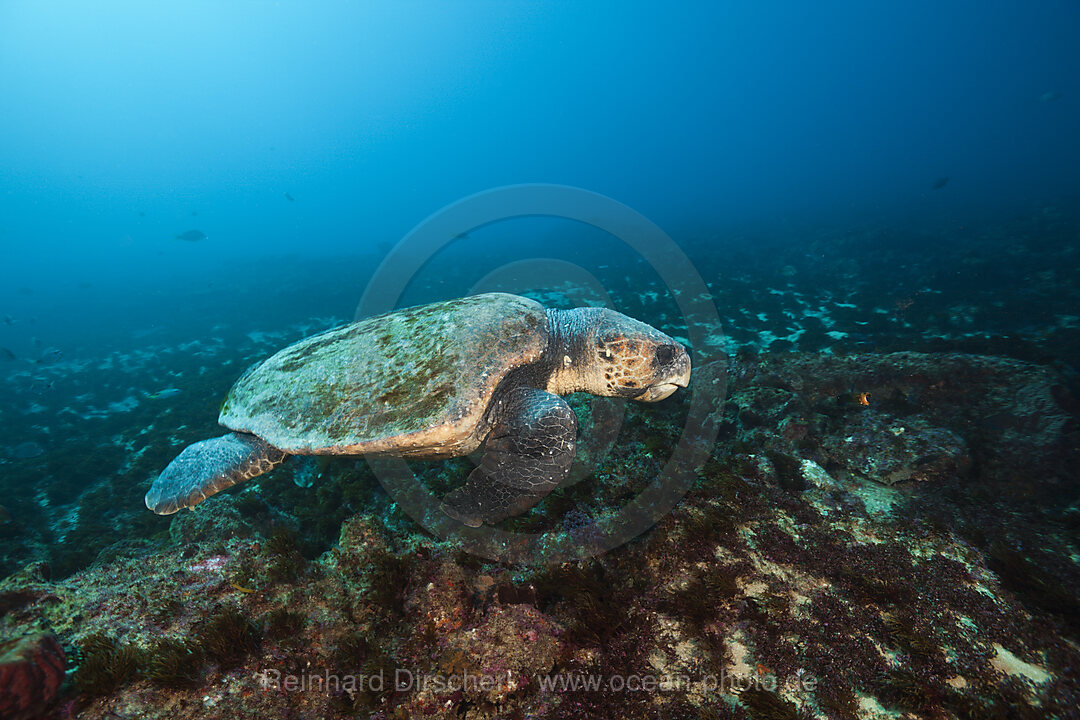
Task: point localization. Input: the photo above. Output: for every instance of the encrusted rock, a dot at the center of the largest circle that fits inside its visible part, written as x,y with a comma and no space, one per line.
906,416
31,671
504,654
890,451
222,522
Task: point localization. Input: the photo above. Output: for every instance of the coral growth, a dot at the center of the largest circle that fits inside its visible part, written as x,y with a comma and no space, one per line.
31,671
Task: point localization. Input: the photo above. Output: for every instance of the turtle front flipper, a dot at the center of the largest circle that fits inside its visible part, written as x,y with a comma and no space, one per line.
527,453
208,467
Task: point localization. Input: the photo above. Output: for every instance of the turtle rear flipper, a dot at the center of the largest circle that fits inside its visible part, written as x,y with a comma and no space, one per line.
208,467
526,455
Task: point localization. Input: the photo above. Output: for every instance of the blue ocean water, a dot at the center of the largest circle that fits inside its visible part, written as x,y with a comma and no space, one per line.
125,125
186,188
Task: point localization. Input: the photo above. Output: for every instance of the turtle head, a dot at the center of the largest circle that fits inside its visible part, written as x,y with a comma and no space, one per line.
617,356
635,360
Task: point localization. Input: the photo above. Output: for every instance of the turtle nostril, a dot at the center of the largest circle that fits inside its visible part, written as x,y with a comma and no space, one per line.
665,354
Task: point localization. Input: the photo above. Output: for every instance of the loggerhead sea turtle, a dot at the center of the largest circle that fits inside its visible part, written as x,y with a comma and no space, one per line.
435,381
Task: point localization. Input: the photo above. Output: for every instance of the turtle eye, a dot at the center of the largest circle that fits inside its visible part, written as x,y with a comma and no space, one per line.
665,354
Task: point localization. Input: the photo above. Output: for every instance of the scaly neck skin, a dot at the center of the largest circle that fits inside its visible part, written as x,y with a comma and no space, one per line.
569,350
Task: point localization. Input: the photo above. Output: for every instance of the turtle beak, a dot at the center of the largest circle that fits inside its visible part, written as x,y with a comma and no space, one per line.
677,378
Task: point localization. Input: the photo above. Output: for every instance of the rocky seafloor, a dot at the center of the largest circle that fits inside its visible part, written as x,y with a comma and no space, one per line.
880,518
872,535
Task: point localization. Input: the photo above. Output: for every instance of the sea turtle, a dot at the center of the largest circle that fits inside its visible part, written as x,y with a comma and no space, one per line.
434,381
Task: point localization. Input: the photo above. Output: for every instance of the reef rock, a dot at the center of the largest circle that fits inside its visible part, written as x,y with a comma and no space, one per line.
906,416
31,671
889,451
